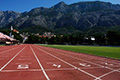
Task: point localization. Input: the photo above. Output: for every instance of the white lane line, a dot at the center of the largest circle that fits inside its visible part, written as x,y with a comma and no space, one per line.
24,63
8,50
37,70
104,75
98,78
85,60
61,53
106,61
24,59
40,64
21,70
92,63
108,73
90,67
12,59
60,69
67,63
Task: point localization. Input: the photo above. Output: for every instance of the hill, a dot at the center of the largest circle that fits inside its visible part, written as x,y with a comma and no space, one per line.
8,16
63,18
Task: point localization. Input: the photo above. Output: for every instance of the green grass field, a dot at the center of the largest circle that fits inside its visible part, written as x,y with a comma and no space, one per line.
111,52
2,45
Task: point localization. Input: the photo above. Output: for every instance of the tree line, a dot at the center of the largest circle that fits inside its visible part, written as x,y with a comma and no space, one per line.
78,38
110,38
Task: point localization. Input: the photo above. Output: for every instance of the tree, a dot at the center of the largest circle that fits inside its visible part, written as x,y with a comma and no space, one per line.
33,39
113,38
100,39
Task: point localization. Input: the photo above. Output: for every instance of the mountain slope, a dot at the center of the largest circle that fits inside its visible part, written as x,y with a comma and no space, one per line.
7,17
80,16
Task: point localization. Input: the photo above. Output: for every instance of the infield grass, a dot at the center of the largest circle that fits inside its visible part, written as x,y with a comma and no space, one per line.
111,52
2,45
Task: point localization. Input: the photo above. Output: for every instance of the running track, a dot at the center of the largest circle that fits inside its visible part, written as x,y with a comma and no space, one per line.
34,62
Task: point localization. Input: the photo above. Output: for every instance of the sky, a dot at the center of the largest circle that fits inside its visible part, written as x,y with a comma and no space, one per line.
27,5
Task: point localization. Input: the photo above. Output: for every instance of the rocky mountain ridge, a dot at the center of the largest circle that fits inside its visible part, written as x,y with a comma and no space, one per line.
81,16
7,17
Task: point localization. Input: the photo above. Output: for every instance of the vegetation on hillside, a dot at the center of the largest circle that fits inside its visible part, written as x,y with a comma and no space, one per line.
110,38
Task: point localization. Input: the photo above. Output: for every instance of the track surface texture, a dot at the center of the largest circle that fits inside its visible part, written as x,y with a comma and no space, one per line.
34,62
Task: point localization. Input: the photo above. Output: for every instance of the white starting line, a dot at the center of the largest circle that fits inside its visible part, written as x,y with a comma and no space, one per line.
37,70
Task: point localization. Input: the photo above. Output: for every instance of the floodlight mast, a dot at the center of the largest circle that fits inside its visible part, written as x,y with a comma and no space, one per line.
11,32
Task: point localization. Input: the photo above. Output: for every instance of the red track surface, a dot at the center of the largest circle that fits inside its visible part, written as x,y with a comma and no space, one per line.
33,62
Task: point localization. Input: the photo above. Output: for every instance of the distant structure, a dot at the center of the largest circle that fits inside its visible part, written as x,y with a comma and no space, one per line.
4,37
14,30
24,36
47,34
7,39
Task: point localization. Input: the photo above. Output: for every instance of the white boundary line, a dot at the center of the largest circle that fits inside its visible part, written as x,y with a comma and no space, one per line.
65,51
85,60
67,63
40,64
76,58
12,58
38,70
60,69
98,78
21,70
108,73
104,75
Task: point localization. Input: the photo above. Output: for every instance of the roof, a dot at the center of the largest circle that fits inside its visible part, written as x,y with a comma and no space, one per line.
3,36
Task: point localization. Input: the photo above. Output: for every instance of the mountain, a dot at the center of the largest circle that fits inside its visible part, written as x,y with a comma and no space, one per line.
77,16
7,17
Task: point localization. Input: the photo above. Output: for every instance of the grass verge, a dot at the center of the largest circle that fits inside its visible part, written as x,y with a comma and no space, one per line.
110,52
2,45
